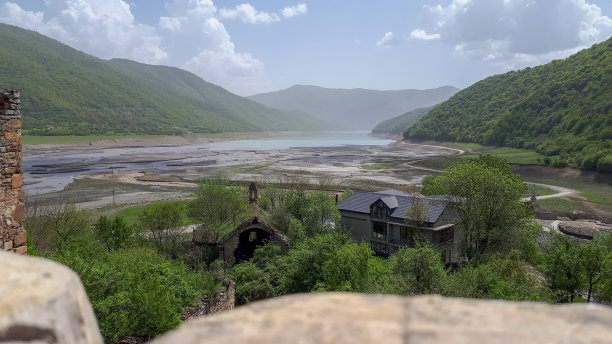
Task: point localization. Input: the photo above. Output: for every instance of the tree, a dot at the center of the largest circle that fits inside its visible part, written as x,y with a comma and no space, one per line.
354,268
163,223
252,283
487,197
215,203
593,259
136,291
418,270
113,233
565,275
55,227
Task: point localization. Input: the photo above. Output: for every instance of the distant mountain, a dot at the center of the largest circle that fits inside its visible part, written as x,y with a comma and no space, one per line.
397,125
563,108
353,108
65,91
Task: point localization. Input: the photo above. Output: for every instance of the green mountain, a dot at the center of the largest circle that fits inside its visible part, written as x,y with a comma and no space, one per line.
562,109
67,92
399,124
353,108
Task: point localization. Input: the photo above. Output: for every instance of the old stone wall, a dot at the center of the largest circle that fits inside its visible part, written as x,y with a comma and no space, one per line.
44,302
225,301
12,207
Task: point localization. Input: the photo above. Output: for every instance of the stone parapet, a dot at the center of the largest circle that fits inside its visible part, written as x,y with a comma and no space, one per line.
354,318
12,207
43,302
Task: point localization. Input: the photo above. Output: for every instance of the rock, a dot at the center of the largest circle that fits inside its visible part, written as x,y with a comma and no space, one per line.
20,239
354,318
17,181
43,302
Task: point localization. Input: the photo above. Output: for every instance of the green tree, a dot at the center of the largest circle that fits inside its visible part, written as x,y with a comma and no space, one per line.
418,270
216,203
563,269
162,222
113,233
136,292
252,283
501,277
487,197
354,268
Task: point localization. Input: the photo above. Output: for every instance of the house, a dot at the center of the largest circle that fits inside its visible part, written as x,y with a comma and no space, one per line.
235,241
391,219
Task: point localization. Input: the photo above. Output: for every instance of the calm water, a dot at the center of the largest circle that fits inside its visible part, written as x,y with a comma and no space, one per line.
318,139
127,158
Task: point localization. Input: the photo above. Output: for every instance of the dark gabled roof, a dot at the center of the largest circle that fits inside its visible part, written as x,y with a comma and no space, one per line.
397,201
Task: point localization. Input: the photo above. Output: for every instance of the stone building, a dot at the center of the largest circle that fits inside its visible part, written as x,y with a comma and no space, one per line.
235,242
12,207
389,220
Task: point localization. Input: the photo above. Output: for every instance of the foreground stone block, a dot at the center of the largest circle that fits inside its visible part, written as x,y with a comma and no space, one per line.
354,318
43,302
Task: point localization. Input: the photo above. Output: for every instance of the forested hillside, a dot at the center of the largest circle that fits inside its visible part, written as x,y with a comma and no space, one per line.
67,92
399,124
353,108
561,109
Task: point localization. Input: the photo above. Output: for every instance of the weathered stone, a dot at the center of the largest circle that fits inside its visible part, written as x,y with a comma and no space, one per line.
21,250
19,213
43,302
20,239
8,245
354,318
17,181
12,136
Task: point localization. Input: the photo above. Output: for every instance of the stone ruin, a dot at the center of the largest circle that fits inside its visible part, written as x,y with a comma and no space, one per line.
12,197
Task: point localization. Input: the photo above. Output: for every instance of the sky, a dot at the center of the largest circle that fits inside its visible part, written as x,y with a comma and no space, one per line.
266,45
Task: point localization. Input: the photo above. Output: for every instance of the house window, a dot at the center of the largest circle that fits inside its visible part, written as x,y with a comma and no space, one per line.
379,211
379,230
252,236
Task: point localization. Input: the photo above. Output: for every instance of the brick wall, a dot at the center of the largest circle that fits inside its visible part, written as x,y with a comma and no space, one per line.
12,207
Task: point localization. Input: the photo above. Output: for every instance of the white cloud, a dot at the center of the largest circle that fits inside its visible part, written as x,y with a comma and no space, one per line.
190,36
515,33
292,11
104,28
388,40
248,14
421,34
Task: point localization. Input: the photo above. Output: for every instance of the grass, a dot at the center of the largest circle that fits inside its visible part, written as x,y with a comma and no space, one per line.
600,194
559,204
540,191
514,155
36,140
130,215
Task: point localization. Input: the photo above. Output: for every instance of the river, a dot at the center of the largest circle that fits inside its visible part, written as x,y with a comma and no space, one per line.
51,170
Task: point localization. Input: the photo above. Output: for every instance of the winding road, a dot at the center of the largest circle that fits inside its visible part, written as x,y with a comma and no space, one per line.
560,191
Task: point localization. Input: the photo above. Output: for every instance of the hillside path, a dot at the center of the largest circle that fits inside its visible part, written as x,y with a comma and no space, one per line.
561,191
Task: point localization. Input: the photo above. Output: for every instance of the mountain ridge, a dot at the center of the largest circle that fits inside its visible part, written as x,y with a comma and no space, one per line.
68,92
355,108
561,109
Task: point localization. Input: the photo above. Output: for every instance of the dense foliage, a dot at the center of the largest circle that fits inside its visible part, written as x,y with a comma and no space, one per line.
561,109
135,290
510,257
487,197
399,124
67,92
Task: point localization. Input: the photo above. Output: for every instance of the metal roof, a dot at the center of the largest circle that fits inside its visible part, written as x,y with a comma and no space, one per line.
397,201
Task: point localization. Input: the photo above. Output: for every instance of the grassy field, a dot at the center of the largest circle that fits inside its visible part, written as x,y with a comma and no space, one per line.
36,140
591,194
130,215
512,155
